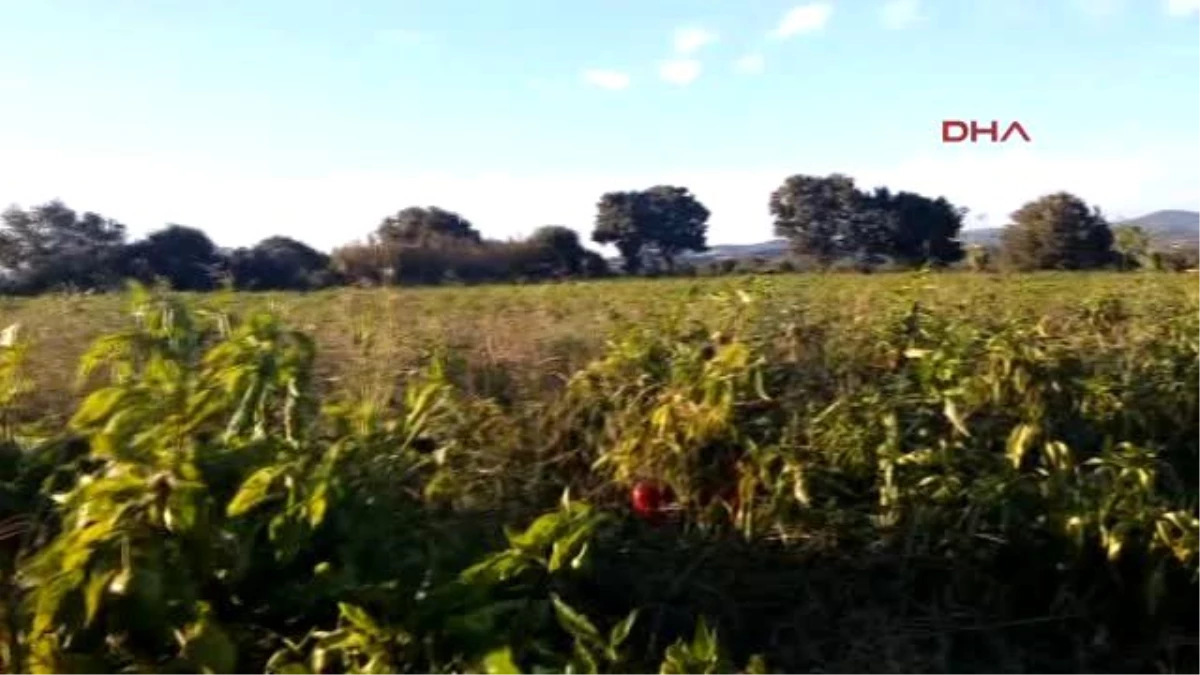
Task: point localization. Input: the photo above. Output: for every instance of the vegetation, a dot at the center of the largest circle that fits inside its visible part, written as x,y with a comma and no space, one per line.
828,221
1058,231
778,474
829,218
659,224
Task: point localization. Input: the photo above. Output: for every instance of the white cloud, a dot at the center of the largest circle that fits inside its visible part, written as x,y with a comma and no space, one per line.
679,71
691,38
613,80
750,64
900,14
1182,7
803,19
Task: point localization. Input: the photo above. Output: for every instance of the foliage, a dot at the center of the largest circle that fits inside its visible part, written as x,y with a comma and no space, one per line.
830,219
182,256
279,263
421,226
52,246
1058,231
918,230
564,254
928,472
1132,245
661,222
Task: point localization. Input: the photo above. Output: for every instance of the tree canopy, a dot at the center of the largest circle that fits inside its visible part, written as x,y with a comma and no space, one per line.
825,218
660,223
560,249
278,263
818,215
183,256
52,245
1058,231
417,226
830,218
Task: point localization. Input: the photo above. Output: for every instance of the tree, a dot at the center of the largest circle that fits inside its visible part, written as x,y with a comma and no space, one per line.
1058,231
915,229
824,217
418,226
278,263
663,222
51,245
364,263
676,222
183,256
559,248
1132,246
617,223
594,265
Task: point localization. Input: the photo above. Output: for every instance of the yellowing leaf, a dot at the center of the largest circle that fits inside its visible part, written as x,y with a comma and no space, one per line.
94,592
500,662
1019,442
254,491
951,412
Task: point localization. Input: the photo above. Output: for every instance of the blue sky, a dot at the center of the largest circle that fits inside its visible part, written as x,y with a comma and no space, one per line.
316,119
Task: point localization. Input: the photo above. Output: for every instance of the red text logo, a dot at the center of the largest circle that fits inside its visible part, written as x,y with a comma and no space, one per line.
957,131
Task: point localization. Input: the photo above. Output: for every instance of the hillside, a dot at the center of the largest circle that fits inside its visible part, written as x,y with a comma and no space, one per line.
1171,226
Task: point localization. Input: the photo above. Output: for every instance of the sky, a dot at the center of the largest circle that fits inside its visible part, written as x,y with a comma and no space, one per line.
315,119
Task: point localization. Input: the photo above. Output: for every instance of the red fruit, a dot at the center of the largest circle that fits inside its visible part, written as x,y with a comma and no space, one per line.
648,498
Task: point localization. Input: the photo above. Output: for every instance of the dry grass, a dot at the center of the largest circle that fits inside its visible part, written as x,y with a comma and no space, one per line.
521,342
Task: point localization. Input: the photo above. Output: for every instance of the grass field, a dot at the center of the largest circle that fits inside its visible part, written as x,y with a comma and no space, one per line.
522,342
920,472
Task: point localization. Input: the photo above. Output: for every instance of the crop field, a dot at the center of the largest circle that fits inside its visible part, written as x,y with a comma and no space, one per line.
782,473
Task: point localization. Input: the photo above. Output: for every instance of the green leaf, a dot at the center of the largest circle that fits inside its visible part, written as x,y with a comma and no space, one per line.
500,662
97,407
620,632
704,643
318,502
496,568
359,618
540,534
207,646
254,491
94,592
284,662
576,624
566,548
582,661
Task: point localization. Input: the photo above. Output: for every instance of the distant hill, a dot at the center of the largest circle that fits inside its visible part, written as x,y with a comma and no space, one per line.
982,236
1170,226
1166,227
767,249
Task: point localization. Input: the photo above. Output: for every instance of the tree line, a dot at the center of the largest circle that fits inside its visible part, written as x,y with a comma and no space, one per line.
827,220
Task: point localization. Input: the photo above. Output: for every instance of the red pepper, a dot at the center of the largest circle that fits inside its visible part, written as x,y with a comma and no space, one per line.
649,499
